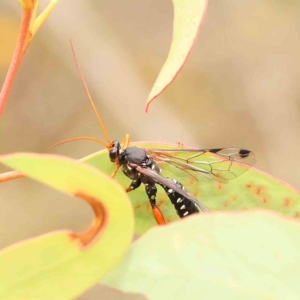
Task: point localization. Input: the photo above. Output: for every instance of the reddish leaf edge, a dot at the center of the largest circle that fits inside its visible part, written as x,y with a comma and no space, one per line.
139,143
277,180
187,56
84,239
11,175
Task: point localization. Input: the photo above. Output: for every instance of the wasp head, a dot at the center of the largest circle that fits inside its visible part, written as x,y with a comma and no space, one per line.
114,151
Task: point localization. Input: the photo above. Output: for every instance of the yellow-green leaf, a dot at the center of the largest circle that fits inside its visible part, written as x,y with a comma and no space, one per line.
253,255
63,264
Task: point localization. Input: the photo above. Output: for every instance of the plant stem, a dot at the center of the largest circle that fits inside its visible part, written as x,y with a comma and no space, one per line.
17,58
11,175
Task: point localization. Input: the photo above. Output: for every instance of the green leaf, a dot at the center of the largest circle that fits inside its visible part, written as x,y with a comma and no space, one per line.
253,255
188,16
63,264
254,189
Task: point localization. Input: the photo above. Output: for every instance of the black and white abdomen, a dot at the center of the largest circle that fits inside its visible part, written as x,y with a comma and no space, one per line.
183,206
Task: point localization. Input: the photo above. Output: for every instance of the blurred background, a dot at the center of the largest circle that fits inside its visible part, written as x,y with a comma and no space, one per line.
240,87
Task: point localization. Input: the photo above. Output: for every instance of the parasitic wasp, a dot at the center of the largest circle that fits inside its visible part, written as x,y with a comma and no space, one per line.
143,165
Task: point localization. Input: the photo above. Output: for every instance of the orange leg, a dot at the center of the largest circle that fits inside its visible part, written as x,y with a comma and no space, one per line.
125,144
158,215
115,171
129,189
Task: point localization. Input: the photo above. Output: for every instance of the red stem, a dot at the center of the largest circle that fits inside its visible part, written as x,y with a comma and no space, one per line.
11,175
17,58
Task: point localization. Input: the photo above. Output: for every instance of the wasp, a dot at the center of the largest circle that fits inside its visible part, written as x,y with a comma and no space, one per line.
144,166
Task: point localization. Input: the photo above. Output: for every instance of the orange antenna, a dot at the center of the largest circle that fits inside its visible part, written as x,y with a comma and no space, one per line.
92,103
80,138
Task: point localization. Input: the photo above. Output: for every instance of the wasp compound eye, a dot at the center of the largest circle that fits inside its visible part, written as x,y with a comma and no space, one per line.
114,151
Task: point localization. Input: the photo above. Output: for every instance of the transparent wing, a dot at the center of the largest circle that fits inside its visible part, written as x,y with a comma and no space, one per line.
221,164
170,184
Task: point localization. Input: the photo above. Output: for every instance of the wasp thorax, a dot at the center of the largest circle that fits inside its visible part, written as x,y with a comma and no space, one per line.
136,155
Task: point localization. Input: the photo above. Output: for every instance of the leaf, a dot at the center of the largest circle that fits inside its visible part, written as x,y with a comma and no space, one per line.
38,22
188,16
254,189
63,264
30,24
253,255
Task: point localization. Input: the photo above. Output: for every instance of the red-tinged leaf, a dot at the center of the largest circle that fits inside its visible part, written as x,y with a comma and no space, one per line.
253,189
64,264
188,15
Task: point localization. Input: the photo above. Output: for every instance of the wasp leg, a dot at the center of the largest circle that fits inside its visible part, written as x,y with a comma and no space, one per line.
134,185
115,171
151,191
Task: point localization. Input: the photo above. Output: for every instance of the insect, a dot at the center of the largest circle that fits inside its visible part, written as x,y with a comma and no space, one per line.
144,166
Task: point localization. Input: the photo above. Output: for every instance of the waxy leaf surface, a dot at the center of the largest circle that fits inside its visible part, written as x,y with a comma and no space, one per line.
250,255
